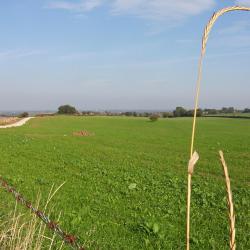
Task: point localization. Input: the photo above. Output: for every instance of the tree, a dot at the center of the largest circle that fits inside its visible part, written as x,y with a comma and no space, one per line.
128,113
227,110
154,117
23,115
211,111
199,112
179,112
189,113
167,114
67,109
246,110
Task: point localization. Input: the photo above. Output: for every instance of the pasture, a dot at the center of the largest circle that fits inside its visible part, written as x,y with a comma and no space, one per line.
126,182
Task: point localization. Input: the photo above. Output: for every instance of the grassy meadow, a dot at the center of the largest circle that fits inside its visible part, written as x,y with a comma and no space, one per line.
232,115
126,184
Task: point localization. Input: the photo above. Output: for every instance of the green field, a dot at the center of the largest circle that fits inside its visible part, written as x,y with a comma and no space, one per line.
244,115
126,185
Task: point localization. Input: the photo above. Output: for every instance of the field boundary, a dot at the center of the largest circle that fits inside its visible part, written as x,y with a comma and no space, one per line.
69,239
227,116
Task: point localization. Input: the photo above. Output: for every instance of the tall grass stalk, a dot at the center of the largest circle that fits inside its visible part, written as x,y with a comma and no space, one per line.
22,231
229,202
205,37
191,165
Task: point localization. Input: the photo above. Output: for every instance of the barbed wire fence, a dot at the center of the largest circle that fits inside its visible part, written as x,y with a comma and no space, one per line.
69,239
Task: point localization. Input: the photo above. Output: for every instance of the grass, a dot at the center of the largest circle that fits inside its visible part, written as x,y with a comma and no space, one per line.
232,115
126,185
25,231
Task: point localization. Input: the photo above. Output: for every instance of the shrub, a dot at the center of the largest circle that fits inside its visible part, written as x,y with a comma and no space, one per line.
154,117
180,111
67,109
23,115
167,115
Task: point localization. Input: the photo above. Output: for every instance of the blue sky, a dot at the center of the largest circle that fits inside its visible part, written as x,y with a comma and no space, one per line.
121,54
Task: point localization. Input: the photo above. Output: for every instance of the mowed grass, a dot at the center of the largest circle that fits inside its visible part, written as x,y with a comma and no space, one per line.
126,185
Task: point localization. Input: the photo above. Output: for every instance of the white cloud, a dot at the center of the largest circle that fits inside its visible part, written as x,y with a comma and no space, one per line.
243,2
237,35
148,9
235,28
162,9
15,54
81,6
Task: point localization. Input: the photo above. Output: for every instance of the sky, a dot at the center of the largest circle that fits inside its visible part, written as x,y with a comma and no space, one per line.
121,54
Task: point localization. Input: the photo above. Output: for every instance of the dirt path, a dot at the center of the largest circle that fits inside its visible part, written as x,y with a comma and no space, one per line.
17,124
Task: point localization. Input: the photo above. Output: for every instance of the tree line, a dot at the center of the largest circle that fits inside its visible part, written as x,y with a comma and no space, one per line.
178,112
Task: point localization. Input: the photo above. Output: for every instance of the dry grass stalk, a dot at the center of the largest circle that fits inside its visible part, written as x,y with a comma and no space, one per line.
229,202
205,37
191,164
214,18
83,133
18,234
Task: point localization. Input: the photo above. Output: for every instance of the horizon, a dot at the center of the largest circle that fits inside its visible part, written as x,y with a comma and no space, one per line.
12,112
121,55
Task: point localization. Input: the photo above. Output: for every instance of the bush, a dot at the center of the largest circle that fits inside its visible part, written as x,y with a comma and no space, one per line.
67,110
180,112
154,117
24,115
167,115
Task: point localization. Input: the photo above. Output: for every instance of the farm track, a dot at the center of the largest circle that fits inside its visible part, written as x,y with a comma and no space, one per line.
17,124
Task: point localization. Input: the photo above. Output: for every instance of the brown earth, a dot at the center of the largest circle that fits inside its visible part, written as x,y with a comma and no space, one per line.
8,120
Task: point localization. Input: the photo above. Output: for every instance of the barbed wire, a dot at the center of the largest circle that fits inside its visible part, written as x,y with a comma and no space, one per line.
69,239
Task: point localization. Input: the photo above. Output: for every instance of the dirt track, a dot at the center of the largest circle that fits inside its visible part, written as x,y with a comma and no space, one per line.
17,124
